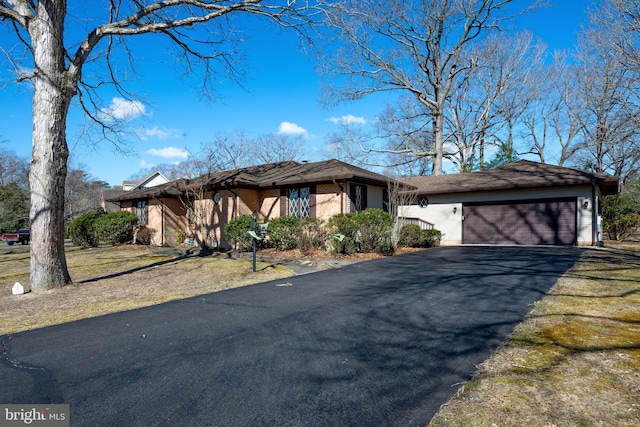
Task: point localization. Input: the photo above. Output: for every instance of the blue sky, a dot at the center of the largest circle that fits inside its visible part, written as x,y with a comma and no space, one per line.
281,96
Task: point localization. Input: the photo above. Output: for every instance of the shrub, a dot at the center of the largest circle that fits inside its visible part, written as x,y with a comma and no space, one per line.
623,225
144,235
367,231
620,216
236,232
374,230
82,230
433,237
344,225
283,233
412,236
116,228
312,235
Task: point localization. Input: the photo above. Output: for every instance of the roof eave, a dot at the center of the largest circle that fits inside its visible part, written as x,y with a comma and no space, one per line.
607,186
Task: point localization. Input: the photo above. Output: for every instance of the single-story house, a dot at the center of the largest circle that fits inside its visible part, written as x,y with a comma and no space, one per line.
519,203
198,209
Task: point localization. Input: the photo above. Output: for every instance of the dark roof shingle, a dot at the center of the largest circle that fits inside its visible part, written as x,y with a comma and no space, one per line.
269,175
517,175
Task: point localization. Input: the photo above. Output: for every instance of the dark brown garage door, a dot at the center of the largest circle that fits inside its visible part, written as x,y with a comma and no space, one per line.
550,222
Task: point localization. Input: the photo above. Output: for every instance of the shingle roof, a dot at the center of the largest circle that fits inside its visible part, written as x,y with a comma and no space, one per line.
170,189
521,174
264,176
325,171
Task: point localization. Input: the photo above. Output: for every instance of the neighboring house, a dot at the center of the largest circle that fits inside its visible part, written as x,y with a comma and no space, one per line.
519,203
151,180
199,208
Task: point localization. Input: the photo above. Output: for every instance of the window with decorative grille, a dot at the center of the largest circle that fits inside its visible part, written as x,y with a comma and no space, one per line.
141,212
299,203
358,197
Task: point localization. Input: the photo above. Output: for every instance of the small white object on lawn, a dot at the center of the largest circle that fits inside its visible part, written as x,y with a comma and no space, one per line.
17,289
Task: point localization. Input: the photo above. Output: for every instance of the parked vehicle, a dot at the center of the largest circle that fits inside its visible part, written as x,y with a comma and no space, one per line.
23,236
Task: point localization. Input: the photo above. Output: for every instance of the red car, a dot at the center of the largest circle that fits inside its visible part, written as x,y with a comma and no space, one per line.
23,236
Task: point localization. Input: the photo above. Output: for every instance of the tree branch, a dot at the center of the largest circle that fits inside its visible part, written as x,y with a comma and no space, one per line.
19,11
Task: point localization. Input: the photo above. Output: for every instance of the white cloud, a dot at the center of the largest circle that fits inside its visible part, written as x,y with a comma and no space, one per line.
347,120
157,133
288,128
169,153
145,165
123,109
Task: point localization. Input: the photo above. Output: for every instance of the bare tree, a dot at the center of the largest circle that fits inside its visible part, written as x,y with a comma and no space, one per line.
201,32
537,121
566,104
82,193
622,19
14,168
227,151
345,144
419,48
489,102
274,147
607,107
519,65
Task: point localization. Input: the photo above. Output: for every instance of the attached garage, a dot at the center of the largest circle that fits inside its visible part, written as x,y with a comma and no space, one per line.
551,222
521,203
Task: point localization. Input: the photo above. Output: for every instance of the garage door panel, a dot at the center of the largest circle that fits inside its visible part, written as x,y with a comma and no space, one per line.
524,223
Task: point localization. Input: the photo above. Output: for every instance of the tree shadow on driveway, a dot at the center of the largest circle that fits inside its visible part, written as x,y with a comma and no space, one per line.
382,342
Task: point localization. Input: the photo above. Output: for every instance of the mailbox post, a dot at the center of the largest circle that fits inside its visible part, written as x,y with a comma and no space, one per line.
256,234
254,228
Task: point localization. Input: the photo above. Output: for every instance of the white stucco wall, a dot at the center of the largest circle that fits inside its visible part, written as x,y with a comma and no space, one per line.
441,216
439,211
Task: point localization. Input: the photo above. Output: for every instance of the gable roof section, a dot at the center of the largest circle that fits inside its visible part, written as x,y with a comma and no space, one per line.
144,181
290,173
251,177
518,175
319,172
271,175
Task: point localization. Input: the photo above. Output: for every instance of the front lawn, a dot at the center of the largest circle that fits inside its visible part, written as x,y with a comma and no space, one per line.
111,279
574,361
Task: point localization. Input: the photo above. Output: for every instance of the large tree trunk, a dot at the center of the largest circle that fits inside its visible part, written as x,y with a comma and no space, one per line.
50,152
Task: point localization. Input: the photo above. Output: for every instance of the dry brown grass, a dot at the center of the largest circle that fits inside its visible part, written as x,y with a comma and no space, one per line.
574,361
108,280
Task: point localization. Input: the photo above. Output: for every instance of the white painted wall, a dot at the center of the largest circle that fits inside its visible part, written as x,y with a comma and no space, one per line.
441,216
440,209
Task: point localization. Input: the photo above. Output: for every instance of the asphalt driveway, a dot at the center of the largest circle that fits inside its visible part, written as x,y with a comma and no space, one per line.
383,342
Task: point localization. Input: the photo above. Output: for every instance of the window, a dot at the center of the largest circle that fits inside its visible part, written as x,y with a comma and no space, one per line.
141,212
299,202
358,197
